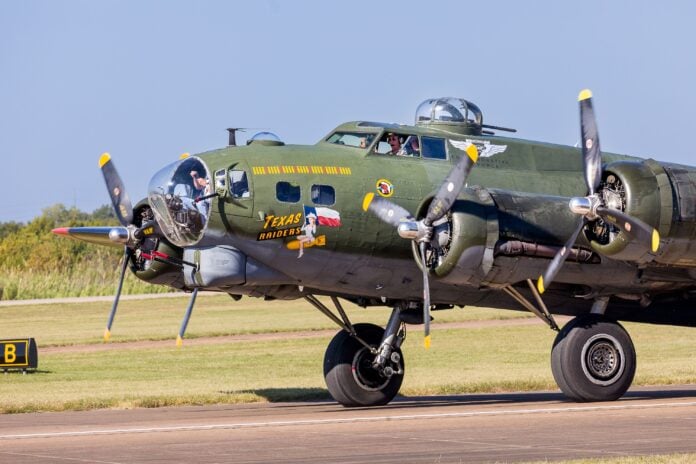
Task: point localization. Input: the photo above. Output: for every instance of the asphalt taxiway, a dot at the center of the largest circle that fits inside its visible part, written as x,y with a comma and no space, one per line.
449,429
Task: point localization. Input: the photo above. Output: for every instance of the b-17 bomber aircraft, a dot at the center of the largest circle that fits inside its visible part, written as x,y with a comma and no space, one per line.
423,218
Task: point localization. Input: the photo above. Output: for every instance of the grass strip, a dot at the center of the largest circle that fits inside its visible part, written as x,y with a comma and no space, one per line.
487,359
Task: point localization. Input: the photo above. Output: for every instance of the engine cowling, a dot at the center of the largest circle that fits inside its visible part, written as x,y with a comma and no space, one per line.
151,270
461,238
631,187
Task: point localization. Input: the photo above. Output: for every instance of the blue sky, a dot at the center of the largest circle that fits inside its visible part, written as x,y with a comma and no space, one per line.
149,80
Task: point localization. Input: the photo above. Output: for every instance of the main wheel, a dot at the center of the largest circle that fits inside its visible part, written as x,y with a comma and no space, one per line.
348,371
593,359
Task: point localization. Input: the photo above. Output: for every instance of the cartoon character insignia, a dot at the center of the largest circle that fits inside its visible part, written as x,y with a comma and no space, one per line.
385,188
485,148
313,217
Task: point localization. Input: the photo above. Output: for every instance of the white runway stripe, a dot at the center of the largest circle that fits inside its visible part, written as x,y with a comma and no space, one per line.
242,425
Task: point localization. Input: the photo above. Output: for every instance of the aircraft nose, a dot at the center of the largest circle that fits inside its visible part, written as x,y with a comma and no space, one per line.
177,195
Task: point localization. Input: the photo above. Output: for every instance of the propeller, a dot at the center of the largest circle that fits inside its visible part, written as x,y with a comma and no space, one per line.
421,231
128,235
591,207
124,212
187,317
119,197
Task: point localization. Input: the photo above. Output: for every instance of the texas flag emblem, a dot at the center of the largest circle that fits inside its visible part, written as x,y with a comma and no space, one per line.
325,216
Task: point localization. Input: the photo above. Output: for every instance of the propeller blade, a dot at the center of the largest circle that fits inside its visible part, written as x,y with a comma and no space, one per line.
635,229
426,296
591,154
117,192
126,257
97,235
388,212
545,280
452,186
187,316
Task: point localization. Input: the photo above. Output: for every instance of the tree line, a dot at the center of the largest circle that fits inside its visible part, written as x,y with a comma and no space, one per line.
32,246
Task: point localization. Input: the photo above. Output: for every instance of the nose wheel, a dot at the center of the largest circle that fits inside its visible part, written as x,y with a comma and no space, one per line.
351,375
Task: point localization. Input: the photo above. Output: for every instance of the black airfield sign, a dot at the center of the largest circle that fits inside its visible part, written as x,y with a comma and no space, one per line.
18,354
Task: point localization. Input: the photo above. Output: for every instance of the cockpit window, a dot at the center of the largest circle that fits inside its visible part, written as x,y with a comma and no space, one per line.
352,139
393,143
323,195
287,192
434,148
239,184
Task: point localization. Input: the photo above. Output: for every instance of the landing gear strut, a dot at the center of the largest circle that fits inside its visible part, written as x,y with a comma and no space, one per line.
363,364
593,359
352,376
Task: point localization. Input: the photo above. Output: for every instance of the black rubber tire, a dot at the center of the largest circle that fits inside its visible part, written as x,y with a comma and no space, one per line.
593,359
348,373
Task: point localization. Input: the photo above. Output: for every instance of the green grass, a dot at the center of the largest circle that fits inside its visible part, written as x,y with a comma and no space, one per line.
97,279
484,359
213,315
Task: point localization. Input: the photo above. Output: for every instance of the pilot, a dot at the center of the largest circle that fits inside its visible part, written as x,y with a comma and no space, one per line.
394,142
411,147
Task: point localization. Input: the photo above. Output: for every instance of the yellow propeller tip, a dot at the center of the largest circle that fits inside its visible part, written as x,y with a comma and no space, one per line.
179,341
472,151
367,200
107,335
584,95
655,240
103,159
540,284
426,342
184,155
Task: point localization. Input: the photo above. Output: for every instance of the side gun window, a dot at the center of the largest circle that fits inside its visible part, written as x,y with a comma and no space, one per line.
239,184
433,148
323,195
287,192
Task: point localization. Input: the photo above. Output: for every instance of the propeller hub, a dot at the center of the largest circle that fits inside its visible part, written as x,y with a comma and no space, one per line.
585,206
415,230
119,235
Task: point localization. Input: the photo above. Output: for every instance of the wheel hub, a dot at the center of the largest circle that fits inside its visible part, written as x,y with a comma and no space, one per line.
365,375
602,359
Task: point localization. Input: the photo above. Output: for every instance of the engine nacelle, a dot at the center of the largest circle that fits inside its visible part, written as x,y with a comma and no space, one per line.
466,244
631,187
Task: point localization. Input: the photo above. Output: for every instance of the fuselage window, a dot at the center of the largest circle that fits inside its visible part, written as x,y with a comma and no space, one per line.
287,192
323,195
351,139
433,148
220,180
239,184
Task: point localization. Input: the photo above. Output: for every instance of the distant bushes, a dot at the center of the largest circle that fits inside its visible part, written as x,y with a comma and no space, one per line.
34,263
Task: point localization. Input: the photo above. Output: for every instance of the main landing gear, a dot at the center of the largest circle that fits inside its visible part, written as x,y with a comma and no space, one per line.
363,364
593,358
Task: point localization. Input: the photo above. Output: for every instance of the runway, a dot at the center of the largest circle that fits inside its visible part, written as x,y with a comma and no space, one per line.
451,429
